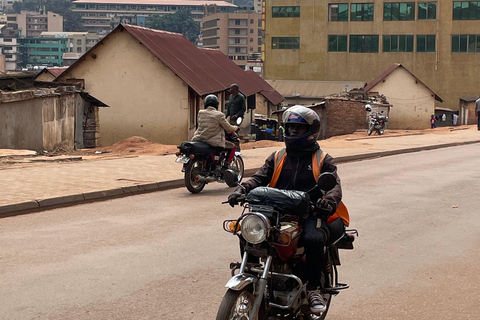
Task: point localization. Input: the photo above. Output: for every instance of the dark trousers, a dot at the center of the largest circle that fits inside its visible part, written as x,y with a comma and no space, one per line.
315,237
478,117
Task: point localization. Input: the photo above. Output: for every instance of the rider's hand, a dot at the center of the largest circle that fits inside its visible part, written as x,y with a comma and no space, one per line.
325,206
236,197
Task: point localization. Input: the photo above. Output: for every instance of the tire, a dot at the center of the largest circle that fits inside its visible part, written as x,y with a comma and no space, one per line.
380,131
233,300
370,130
193,170
238,166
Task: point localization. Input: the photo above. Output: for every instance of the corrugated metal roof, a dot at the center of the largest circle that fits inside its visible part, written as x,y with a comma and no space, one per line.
375,81
312,89
266,89
470,98
56,71
204,70
161,2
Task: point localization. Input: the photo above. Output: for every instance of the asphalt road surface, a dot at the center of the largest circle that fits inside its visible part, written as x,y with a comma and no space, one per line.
165,256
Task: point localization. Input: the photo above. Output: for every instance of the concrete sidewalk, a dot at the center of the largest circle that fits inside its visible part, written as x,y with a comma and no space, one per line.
29,188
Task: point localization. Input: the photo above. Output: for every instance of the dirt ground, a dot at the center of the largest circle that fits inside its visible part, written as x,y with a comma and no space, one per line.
138,146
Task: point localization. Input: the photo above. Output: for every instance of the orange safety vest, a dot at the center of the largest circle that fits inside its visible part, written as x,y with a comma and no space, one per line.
317,159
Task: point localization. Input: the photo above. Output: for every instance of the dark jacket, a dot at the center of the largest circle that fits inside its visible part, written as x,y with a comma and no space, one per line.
297,174
236,106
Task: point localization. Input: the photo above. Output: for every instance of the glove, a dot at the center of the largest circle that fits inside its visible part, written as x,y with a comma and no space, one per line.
324,206
236,198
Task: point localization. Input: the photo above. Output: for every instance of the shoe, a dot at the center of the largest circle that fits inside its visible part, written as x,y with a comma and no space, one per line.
317,304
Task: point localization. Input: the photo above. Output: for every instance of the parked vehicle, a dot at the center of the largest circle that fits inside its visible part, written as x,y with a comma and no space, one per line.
377,122
274,286
203,163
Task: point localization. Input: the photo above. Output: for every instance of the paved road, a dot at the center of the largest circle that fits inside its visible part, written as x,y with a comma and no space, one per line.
164,255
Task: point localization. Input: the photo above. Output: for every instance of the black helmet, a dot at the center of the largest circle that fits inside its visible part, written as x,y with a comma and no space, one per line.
211,101
301,115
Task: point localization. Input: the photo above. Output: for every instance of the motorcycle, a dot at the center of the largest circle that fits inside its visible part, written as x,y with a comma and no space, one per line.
203,163
273,286
377,122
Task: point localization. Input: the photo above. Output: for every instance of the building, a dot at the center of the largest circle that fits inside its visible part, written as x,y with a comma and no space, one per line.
42,51
101,16
32,24
78,42
438,41
154,82
238,34
9,46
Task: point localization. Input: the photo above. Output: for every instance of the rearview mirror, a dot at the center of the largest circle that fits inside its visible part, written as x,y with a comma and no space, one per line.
327,181
230,177
239,121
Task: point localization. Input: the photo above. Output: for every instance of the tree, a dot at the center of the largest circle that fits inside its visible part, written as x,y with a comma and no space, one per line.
180,22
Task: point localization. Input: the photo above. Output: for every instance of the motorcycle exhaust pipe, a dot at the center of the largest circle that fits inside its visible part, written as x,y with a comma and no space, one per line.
206,179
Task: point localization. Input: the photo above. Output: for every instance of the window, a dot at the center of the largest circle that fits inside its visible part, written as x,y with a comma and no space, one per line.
285,42
426,43
363,43
79,41
361,12
337,43
285,12
466,43
398,43
398,11
427,10
338,12
466,10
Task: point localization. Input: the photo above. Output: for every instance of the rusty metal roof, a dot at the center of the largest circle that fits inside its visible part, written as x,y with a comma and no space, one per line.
56,71
267,90
395,66
204,70
312,89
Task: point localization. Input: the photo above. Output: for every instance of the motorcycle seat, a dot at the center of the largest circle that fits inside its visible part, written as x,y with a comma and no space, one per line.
200,147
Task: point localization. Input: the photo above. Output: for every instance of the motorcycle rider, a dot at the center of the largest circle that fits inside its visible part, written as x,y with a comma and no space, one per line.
302,128
212,125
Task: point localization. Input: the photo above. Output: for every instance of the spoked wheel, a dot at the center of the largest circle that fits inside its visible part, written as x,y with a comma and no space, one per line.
238,167
192,173
237,305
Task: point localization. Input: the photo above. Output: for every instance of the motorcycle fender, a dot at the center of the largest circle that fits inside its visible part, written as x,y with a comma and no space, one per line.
240,281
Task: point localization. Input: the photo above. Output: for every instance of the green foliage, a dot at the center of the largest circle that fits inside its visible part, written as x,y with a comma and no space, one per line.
180,22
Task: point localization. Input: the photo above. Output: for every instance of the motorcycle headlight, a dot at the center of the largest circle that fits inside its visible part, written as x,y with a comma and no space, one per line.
255,228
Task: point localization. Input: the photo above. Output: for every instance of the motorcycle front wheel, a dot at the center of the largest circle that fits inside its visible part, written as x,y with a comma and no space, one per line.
238,166
380,131
370,130
237,305
192,172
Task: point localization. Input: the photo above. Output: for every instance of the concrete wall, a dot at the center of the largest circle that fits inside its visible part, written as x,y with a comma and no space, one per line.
58,115
145,97
37,121
21,125
412,103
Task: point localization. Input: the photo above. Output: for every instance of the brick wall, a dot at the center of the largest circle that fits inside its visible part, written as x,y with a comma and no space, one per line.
344,116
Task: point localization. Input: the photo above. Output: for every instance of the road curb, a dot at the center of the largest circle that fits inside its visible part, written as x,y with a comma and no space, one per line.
94,196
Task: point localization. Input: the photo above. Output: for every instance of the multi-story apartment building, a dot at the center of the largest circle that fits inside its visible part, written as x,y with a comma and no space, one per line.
78,42
31,24
238,35
438,41
97,15
43,51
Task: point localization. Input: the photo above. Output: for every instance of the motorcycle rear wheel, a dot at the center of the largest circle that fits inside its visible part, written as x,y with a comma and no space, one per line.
238,166
192,172
236,305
